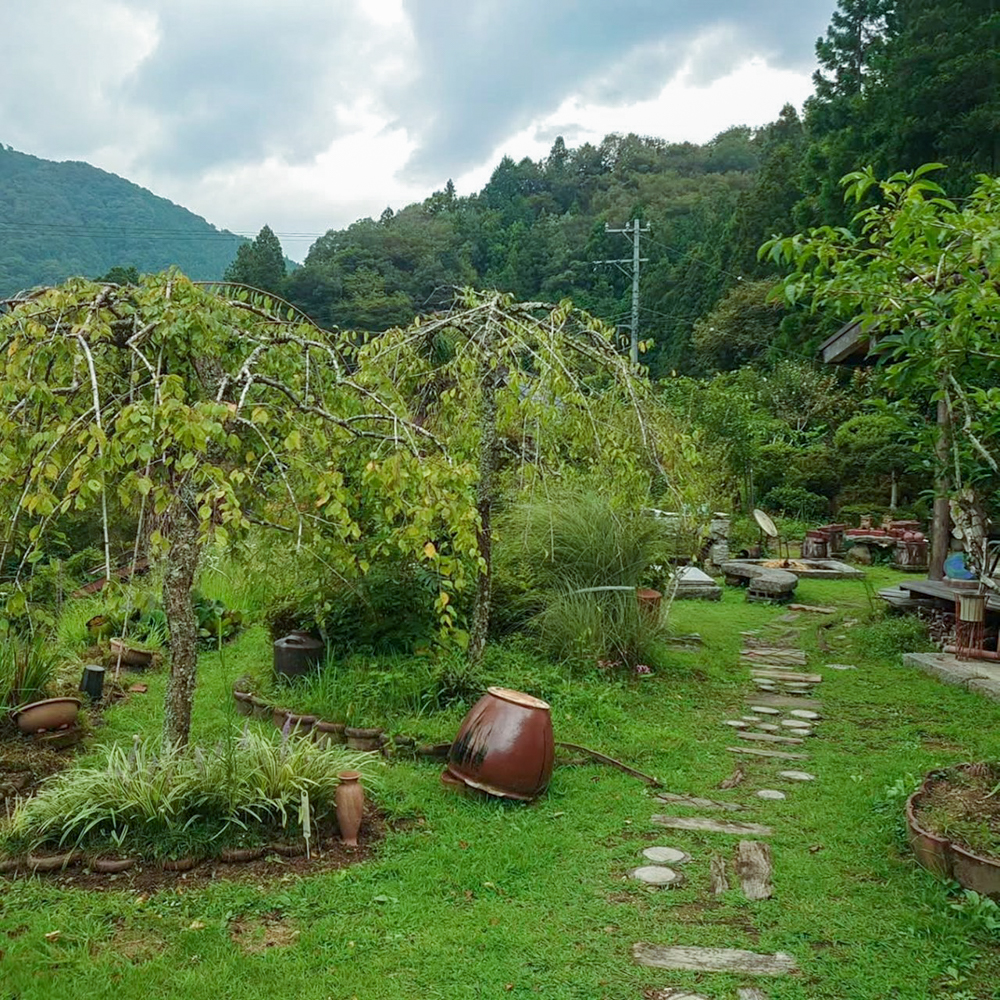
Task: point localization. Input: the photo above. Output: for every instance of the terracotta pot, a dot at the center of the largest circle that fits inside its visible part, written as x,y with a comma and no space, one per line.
180,864
260,708
280,715
649,600
350,799
363,739
52,862
241,855
53,713
302,724
129,655
244,703
328,734
505,745
112,866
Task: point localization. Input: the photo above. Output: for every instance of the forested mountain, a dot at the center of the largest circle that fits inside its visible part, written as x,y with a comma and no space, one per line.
901,82
64,219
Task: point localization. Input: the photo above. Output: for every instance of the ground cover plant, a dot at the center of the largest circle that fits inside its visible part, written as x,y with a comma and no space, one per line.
467,898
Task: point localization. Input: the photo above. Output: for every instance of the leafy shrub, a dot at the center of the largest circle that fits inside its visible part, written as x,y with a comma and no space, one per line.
156,795
852,513
390,610
888,636
797,502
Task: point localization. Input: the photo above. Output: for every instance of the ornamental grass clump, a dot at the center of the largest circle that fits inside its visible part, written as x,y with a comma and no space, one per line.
156,797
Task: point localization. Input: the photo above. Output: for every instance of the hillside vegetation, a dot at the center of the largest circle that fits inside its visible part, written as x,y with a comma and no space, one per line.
59,220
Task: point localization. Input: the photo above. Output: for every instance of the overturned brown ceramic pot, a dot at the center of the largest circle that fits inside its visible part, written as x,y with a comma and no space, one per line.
505,745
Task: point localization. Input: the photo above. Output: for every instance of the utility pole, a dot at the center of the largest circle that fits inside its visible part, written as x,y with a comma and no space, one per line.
636,230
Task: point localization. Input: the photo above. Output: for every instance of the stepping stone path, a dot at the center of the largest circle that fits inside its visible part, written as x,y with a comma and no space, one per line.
666,855
655,875
714,960
780,713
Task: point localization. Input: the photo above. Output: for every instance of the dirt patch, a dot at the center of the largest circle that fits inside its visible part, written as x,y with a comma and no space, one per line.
255,935
135,945
328,854
963,805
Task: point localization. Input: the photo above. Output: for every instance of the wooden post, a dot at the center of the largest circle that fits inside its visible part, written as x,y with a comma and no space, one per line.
941,527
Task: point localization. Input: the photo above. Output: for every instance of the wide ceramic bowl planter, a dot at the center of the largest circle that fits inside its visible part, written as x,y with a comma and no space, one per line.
505,745
130,656
944,858
42,716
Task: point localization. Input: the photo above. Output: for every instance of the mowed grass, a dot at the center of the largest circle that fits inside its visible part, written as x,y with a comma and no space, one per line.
475,899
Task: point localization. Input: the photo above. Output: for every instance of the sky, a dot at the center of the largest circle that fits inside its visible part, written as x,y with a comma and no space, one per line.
309,114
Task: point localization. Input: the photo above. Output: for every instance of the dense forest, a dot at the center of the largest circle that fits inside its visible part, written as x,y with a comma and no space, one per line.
900,83
64,219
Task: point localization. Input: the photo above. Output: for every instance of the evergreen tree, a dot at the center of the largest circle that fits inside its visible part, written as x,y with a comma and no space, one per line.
260,264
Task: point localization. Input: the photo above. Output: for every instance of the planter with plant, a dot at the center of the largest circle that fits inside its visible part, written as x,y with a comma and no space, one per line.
953,821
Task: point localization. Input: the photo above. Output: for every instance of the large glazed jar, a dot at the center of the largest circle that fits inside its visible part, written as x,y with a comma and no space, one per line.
297,654
505,745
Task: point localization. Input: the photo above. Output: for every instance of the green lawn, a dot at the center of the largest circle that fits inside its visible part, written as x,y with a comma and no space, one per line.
490,900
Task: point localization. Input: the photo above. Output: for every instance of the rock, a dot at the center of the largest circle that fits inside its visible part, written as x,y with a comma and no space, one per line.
797,775
805,713
655,875
735,723
764,710
770,793
666,855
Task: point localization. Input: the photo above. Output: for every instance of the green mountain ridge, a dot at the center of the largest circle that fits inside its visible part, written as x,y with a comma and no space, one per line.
61,219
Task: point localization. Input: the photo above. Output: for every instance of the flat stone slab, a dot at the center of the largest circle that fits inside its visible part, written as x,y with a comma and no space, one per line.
753,867
770,793
764,710
784,701
655,875
980,676
750,718
749,963
749,993
768,727
839,666
777,754
804,713
797,775
768,738
787,676
691,800
797,724
666,855
711,825
670,993
735,723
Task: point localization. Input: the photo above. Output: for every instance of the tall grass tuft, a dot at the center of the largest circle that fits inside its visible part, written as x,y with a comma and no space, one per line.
583,560
158,795
26,670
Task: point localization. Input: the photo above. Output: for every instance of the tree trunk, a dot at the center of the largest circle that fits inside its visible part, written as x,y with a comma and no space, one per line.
894,492
484,504
941,530
178,582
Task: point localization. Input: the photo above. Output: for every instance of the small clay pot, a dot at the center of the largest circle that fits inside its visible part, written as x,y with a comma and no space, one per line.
364,739
279,716
10,864
53,713
180,864
244,703
350,799
139,659
241,855
260,708
302,724
328,734
112,866
286,850
52,862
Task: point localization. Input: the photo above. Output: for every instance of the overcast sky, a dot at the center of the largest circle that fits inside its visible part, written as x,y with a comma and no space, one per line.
308,114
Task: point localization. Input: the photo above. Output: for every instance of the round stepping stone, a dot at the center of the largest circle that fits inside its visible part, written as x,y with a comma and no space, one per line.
797,775
666,855
655,875
797,724
763,710
750,718
804,713
770,793
735,723
768,727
